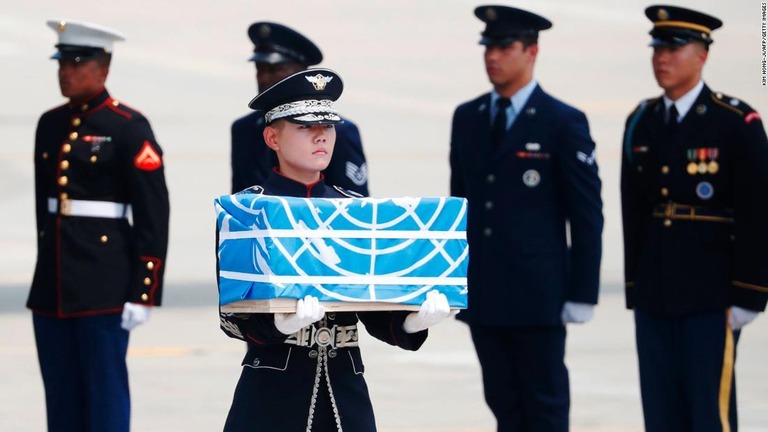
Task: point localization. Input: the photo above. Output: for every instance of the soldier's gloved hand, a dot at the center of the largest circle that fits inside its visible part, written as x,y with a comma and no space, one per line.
574,312
740,317
134,314
308,310
434,309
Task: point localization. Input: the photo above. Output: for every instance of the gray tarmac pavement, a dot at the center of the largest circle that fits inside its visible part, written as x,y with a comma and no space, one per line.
183,371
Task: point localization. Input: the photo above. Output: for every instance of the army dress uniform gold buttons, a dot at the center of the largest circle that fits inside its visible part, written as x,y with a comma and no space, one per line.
76,121
66,148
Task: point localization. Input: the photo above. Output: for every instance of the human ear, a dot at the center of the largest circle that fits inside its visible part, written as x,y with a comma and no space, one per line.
271,137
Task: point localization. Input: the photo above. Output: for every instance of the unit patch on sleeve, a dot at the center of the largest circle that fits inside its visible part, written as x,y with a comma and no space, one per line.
148,159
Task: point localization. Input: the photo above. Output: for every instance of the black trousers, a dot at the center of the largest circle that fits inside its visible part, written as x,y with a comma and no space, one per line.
687,378
524,377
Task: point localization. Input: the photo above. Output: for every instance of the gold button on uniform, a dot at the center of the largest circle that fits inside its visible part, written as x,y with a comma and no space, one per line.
64,164
76,122
665,169
45,155
64,196
73,136
664,192
63,180
147,281
150,265
104,239
93,159
115,103
66,148
667,222
84,107
144,297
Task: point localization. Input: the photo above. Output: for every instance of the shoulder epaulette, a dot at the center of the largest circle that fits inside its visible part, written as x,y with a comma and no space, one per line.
348,193
735,105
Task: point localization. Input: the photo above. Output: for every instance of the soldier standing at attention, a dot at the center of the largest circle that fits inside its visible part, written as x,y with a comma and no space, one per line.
526,164
102,224
694,189
280,51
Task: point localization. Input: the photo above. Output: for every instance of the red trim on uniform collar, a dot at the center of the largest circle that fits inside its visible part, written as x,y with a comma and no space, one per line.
307,186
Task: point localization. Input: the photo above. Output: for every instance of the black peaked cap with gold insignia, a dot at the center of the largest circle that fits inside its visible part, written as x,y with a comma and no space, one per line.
504,24
674,26
305,97
275,43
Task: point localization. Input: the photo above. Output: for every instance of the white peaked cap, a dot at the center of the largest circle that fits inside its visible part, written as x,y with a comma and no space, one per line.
85,34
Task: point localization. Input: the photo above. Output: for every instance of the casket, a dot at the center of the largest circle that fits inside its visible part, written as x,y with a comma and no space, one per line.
354,254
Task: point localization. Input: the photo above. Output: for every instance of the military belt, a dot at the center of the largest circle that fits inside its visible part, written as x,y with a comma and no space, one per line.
101,209
334,337
672,210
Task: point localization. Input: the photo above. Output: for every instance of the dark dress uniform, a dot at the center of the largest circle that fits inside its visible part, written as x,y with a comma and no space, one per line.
693,198
304,382
102,222
534,225
252,160
694,195
276,45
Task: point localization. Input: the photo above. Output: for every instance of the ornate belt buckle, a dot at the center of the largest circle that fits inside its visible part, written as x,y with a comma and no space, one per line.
324,336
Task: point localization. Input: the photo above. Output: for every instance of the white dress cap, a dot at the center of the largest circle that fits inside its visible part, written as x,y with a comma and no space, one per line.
79,33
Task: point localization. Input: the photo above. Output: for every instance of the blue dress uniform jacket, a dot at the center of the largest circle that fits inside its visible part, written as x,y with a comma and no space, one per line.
290,383
252,160
694,204
103,154
521,197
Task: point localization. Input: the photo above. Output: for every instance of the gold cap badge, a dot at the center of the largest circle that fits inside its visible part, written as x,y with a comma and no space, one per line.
663,14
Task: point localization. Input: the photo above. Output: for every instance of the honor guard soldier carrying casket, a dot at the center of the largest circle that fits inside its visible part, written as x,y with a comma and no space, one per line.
303,371
278,52
694,189
102,224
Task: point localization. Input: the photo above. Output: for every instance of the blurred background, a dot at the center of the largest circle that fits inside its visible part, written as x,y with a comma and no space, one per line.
406,65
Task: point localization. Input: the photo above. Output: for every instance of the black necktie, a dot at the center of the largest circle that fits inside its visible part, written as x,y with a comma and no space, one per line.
672,118
500,121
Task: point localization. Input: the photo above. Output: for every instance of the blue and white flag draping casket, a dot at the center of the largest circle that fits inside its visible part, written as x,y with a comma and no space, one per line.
390,251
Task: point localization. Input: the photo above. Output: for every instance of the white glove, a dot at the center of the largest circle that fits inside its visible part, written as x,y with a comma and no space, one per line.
434,309
308,310
739,317
579,313
134,314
